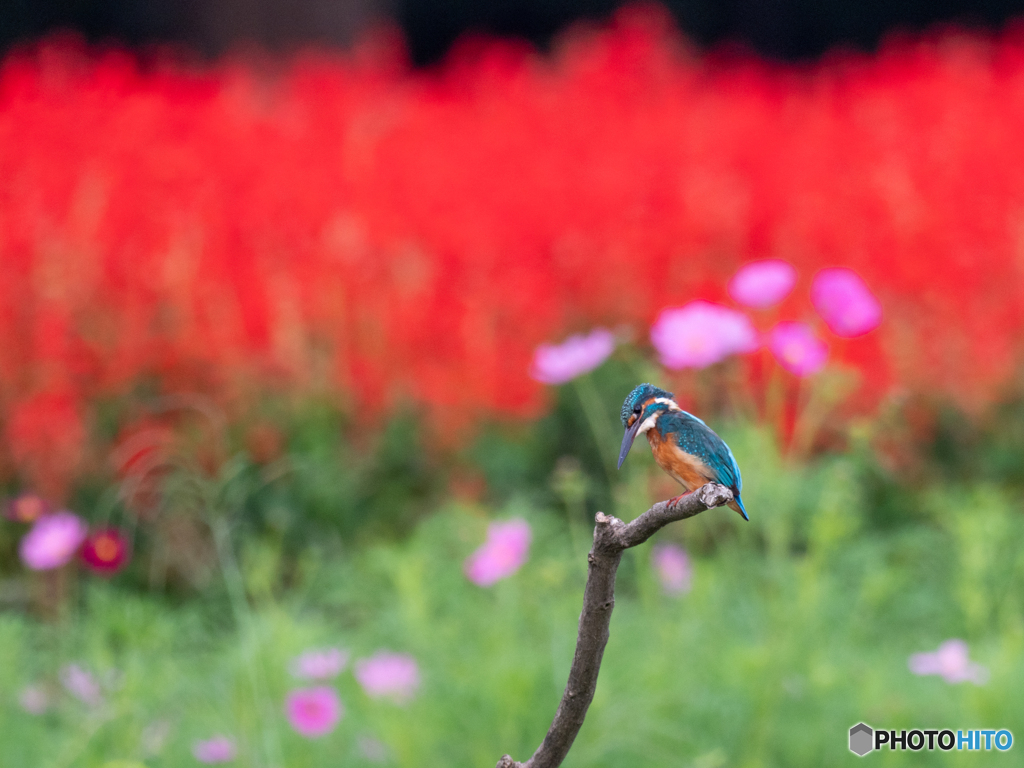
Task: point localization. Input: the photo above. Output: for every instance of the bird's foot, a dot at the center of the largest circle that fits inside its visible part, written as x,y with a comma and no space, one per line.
676,499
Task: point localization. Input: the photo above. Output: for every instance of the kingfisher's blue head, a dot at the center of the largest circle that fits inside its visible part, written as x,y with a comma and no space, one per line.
641,404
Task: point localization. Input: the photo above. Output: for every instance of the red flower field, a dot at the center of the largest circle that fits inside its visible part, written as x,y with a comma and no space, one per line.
342,223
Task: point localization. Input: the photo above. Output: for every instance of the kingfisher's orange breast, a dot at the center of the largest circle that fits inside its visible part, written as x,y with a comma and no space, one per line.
685,468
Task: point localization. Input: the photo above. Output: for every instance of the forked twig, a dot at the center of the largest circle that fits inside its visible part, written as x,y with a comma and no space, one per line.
611,537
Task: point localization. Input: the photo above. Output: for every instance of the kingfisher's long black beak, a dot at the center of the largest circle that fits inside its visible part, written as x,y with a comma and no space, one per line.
627,441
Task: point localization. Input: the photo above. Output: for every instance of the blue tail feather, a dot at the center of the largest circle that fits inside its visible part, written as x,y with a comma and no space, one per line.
742,509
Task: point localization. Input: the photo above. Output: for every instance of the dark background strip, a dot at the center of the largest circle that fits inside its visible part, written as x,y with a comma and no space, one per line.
780,29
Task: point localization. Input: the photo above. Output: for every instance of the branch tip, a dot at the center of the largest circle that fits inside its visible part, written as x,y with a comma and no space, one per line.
714,495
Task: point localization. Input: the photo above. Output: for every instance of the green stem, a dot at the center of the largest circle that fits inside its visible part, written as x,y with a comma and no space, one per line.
775,403
810,414
590,400
250,640
93,725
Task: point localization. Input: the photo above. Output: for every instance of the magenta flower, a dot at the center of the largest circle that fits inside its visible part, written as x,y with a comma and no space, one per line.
797,349
52,541
320,665
559,363
81,684
219,749
672,565
34,699
951,661
845,302
313,712
763,284
394,676
700,334
105,551
501,555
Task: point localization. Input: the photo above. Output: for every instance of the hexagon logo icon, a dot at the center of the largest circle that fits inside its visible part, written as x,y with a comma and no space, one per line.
861,739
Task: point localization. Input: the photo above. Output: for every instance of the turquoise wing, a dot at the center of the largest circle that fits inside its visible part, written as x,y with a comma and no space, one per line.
698,439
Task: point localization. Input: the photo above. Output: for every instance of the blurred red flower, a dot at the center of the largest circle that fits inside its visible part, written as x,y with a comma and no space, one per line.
46,437
400,235
105,551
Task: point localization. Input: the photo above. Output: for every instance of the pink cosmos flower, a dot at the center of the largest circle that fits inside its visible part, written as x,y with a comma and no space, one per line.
34,699
951,661
700,334
52,541
845,303
26,508
763,284
559,363
672,565
501,555
219,749
320,665
81,684
313,712
797,349
394,676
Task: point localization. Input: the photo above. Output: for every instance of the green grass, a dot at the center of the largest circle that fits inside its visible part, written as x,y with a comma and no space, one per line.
799,625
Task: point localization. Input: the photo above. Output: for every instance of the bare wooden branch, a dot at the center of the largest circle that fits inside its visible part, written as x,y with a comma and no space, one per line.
611,537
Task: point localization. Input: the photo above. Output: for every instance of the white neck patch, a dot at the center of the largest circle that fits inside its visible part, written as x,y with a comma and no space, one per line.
649,422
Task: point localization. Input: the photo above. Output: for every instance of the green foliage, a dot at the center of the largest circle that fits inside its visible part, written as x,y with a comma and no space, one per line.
350,484
799,624
582,424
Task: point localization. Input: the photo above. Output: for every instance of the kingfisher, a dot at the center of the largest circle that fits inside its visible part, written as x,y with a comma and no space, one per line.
683,445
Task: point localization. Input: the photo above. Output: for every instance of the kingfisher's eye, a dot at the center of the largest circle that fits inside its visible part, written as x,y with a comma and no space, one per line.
637,409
